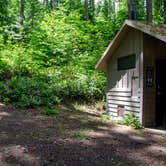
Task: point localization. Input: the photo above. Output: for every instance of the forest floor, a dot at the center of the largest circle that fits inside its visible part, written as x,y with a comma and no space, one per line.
77,136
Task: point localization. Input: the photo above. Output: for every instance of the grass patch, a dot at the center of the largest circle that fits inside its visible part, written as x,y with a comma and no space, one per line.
77,106
140,132
50,111
162,142
100,105
9,165
131,120
89,129
105,117
80,136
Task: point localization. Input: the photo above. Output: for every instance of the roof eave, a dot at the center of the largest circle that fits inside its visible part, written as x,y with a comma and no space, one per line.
102,65
144,30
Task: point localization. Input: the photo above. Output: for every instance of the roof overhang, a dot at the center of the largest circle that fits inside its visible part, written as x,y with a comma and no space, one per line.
152,30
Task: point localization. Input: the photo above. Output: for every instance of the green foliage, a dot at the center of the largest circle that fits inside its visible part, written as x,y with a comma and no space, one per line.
50,111
80,136
28,92
52,57
89,129
3,12
162,142
34,12
131,120
158,11
105,117
56,63
9,164
140,132
108,9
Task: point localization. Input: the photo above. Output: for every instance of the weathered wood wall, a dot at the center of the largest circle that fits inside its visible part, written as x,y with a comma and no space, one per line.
153,49
125,87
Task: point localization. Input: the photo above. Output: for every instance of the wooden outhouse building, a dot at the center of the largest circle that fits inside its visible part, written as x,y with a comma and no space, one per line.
135,63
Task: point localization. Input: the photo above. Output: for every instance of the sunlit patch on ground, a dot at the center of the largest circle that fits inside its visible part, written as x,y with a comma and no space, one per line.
78,135
3,114
19,154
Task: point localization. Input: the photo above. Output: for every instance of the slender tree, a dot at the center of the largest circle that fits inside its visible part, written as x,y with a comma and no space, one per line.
71,5
149,11
21,12
3,12
98,7
46,2
113,10
129,8
164,11
53,4
91,9
105,9
34,12
87,10
92,6
133,9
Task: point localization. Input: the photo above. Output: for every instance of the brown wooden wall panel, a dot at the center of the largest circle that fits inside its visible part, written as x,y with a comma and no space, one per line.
154,50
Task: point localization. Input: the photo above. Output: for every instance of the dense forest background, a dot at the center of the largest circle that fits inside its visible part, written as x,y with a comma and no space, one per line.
49,48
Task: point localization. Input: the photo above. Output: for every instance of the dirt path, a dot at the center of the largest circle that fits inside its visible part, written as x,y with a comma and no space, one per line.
78,136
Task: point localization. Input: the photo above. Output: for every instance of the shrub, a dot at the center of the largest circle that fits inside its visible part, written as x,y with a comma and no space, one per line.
105,117
80,136
30,92
131,120
26,92
50,111
89,129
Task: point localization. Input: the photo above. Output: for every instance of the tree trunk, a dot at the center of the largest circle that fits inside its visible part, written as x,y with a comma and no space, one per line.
91,10
164,11
71,5
129,4
149,10
51,2
55,4
46,2
22,12
133,9
93,5
87,10
113,10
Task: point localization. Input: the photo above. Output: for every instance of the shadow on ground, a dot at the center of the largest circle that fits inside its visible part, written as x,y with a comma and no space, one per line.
77,136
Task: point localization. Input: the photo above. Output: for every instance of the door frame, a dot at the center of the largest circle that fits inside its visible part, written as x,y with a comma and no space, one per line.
157,116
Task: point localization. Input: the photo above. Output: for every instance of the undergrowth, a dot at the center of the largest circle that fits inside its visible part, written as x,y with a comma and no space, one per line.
55,61
50,111
105,117
30,92
80,136
132,120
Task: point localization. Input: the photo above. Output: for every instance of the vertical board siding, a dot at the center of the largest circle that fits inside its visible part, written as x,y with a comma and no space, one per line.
125,81
124,86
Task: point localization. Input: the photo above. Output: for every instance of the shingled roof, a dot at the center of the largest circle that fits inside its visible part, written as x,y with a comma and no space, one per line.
155,31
